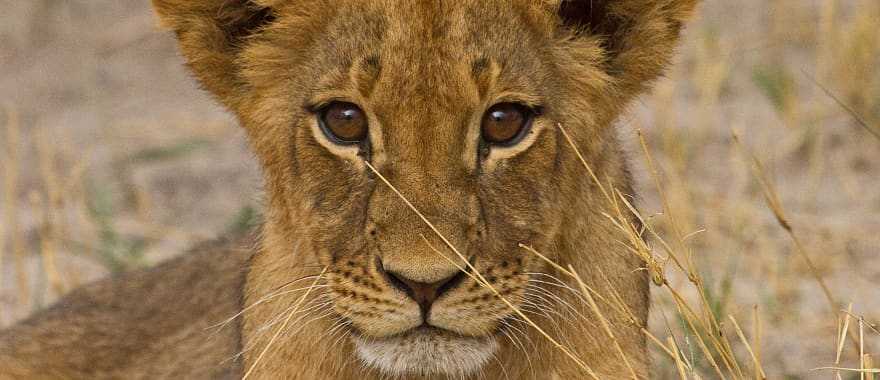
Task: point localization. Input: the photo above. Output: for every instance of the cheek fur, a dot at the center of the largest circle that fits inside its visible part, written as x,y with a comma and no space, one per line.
334,184
519,195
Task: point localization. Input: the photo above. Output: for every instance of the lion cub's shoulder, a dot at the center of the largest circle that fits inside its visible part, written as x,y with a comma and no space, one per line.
153,323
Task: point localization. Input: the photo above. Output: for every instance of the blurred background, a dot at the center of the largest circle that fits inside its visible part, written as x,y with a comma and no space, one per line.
112,159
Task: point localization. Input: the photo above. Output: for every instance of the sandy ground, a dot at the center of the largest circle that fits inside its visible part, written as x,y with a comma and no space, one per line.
118,152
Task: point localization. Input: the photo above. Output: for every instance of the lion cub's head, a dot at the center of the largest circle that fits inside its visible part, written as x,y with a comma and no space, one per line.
455,103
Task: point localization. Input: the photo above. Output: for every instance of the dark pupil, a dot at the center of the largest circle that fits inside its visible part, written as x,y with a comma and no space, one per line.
346,122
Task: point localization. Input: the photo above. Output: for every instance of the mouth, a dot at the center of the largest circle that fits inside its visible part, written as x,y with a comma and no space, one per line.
426,350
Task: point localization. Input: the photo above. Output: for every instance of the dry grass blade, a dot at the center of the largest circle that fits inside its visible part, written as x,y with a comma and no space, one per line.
868,363
567,273
758,367
7,203
690,319
702,323
284,325
604,322
859,370
709,320
871,326
862,348
772,199
660,345
841,339
584,162
664,199
852,112
49,234
11,163
705,321
758,332
679,364
775,205
268,298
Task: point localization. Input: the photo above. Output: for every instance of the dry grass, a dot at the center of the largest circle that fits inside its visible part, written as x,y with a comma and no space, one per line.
763,251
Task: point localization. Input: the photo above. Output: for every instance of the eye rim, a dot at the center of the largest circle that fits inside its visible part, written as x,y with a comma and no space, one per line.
529,114
321,115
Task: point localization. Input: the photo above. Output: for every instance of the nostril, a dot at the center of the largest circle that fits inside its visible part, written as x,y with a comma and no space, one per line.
423,293
397,282
450,283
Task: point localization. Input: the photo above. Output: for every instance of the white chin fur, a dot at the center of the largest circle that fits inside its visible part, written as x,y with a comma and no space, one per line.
426,353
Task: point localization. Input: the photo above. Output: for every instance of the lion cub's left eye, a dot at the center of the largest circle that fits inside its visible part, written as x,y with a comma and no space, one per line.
506,124
343,123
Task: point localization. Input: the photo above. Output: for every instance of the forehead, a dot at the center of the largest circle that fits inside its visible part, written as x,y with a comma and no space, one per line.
435,23
430,42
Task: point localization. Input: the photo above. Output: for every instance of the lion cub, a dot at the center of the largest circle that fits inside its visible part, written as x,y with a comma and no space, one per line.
457,105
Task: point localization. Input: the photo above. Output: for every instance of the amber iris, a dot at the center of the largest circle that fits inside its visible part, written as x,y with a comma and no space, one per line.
344,122
505,123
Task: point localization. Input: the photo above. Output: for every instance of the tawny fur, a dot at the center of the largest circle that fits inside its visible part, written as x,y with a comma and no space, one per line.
424,71
156,323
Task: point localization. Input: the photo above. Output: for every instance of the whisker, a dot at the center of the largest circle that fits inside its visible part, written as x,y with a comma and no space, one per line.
517,332
280,329
267,298
530,307
501,365
337,328
304,324
281,315
521,348
559,300
276,319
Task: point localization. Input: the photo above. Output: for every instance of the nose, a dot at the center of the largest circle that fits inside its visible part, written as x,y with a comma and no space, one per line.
423,293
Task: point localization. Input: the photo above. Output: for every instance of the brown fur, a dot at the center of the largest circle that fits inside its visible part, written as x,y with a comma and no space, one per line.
424,71
149,324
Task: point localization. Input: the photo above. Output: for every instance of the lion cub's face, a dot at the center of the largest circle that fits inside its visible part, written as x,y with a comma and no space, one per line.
453,106
456,105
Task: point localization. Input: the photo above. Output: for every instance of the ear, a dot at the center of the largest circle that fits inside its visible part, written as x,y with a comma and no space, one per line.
638,36
211,34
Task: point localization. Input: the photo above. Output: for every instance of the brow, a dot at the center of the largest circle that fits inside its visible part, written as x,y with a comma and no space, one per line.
482,75
367,73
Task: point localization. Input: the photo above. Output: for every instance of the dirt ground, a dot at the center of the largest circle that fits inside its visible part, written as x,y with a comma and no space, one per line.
113,159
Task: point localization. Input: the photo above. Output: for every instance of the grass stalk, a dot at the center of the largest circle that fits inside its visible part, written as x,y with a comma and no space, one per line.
679,363
772,199
12,164
283,326
860,121
604,322
755,360
53,201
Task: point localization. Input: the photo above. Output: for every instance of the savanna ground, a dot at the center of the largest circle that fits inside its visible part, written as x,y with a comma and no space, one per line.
113,160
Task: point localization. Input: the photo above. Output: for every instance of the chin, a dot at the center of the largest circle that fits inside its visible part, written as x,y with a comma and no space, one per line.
426,351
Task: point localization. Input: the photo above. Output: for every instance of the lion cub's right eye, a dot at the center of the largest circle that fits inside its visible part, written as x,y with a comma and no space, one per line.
343,123
505,124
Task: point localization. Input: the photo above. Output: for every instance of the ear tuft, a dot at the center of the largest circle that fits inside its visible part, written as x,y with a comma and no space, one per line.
211,34
592,17
582,14
638,36
236,19
242,18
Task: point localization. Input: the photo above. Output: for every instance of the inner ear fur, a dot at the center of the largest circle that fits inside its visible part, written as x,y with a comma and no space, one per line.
638,36
211,34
